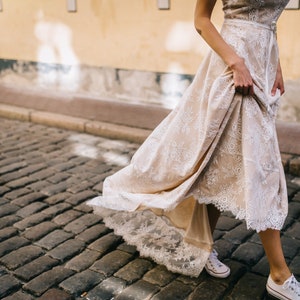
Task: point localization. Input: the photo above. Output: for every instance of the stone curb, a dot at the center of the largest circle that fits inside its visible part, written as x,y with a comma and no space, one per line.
291,162
104,129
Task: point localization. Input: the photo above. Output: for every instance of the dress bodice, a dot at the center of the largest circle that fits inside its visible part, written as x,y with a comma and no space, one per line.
261,11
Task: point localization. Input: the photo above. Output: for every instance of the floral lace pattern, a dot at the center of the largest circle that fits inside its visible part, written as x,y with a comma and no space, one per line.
216,146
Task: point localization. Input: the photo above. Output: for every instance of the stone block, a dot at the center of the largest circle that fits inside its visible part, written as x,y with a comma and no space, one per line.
208,289
106,243
127,248
262,267
295,266
290,246
17,193
8,221
46,280
38,231
82,223
141,290
58,177
56,294
4,190
294,231
31,221
248,253
54,238
12,167
11,244
51,190
7,232
238,235
159,276
35,267
294,210
67,217
107,289
174,290
8,284
66,250
82,261
224,248
81,282
92,233
111,262
8,209
18,296
61,197
21,182
31,209
81,197
21,256
134,270
250,286
24,200
226,223
56,209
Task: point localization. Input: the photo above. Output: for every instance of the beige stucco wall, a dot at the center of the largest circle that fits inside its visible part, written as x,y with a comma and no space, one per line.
130,34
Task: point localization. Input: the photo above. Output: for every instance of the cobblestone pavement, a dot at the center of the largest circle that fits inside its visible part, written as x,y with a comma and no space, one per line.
53,247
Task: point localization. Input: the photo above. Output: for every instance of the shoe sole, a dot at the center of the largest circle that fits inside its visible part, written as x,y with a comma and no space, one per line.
276,294
217,275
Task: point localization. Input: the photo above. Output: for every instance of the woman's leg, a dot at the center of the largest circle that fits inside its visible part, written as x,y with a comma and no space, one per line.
213,216
279,270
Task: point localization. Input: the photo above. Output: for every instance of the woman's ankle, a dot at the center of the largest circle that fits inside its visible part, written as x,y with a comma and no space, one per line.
280,276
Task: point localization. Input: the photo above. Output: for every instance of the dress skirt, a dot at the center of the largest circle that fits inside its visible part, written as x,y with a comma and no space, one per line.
216,147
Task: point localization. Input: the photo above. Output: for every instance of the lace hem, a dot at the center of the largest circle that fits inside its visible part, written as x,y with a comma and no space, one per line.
156,238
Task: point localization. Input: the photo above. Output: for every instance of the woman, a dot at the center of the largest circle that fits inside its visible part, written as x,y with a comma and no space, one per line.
216,151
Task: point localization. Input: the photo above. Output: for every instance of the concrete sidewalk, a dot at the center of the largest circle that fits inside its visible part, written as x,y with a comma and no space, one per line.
53,247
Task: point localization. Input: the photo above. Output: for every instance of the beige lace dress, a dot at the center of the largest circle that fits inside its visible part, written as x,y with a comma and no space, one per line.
216,146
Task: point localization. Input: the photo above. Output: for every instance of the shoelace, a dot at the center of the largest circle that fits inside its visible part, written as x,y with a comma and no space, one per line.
213,258
293,285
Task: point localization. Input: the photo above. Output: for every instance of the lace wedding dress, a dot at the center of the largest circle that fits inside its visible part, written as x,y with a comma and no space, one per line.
216,146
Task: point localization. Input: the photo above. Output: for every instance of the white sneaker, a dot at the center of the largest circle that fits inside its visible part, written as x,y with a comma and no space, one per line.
289,290
215,268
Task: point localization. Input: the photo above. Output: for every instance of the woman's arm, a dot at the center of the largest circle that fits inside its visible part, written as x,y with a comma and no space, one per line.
241,76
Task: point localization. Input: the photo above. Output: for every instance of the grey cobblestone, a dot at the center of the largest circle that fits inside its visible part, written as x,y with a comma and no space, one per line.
54,238
66,250
56,294
105,243
21,256
17,193
31,221
83,260
46,280
93,233
111,262
107,289
175,290
134,270
67,217
8,221
82,223
53,247
250,286
8,209
139,290
7,285
31,209
36,267
248,253
24,200
12,244
159,276
81,282
38,231
7,232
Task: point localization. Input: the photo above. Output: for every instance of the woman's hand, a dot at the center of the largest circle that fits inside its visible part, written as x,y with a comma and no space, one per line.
278,84
242,78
